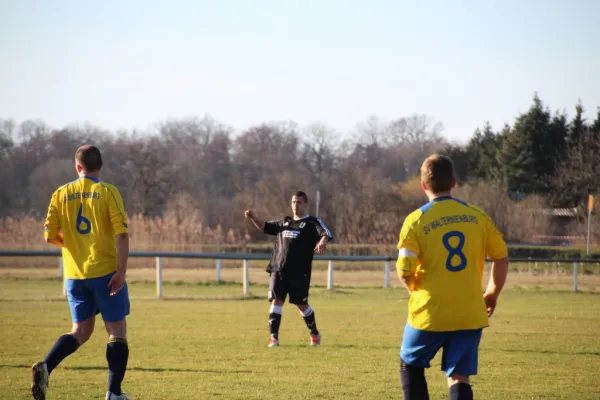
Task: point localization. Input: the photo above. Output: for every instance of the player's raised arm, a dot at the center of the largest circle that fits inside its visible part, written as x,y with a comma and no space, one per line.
258,223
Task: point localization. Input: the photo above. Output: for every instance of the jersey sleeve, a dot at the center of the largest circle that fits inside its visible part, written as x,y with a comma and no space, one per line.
322,230
273,227
495,247
408,248
52,223
118,217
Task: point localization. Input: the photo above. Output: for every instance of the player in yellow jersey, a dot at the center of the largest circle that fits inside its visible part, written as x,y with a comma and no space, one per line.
86,218
441,255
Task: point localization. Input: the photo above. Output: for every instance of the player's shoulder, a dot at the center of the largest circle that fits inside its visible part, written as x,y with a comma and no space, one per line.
110,188
108,185
280,221
478,213
475,209
415,216
62,188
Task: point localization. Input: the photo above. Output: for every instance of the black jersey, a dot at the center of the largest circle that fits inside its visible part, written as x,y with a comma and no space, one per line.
296,241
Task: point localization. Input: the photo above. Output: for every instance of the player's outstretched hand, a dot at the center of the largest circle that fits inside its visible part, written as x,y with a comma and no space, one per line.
321,248
490,303
116,283
249,213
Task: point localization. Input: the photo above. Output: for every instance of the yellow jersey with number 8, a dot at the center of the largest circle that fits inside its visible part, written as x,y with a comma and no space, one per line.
90,214
450,239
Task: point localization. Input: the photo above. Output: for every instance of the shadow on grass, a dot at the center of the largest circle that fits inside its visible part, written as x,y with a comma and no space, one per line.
344,346
141,369
149,298
28,300
572,353
212,298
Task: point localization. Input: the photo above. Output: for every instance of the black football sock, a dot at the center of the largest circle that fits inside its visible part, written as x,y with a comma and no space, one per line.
461,391
117,354
414,384
64,346
309,319
274,320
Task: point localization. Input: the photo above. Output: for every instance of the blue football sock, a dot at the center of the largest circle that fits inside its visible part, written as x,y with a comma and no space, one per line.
117,354
461,391
414,384
64,346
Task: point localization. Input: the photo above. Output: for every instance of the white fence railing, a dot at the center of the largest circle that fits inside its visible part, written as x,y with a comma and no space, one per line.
246,257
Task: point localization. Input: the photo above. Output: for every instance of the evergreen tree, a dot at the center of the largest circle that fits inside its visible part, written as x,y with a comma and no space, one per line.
517,163
595,127
483,149
460,159
578,125
532,149
578,173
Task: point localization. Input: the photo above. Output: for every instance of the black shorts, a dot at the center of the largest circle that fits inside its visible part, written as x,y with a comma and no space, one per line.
296,286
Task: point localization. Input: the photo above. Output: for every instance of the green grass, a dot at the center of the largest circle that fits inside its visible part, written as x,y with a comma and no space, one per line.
542,344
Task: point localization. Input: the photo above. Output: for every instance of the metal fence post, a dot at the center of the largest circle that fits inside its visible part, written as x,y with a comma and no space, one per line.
218,271
159,289
575,275
246,279
330,275
386,283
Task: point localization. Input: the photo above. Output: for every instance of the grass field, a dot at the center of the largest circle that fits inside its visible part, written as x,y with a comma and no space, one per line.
542,344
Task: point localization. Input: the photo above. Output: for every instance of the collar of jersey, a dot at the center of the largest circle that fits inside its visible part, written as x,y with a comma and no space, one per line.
306,216
442,198
91,178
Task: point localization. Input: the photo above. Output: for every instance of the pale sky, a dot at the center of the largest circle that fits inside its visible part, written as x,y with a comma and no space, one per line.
129,64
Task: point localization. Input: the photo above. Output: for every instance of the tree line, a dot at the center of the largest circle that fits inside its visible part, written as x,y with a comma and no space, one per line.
543,152
200,174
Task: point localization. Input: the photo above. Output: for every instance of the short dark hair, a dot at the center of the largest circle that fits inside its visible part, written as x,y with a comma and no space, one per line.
437,172
89,158
302,195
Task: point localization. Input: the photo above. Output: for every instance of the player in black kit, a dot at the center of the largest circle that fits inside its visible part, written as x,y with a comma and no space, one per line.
298,238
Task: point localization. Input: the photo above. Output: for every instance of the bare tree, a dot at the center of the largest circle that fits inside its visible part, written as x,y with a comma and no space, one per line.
578,173
264,151
45,179
318,150
414,138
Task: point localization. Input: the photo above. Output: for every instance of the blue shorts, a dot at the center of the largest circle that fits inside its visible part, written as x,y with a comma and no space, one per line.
88,297
460,349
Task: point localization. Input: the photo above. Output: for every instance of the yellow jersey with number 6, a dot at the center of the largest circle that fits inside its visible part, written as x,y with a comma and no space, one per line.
90,214
443,245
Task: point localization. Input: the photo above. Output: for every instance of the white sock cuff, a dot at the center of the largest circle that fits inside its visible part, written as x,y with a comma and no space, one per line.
307,312
275,309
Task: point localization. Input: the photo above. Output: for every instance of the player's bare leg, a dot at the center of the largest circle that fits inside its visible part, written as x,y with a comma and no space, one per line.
459,387
275,321
117,354
308,314
65,345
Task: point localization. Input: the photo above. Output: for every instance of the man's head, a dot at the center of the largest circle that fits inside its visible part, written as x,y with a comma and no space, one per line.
437,175
299,203
88,160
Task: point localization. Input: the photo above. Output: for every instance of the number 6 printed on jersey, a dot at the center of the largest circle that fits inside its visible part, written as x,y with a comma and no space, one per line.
81,220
